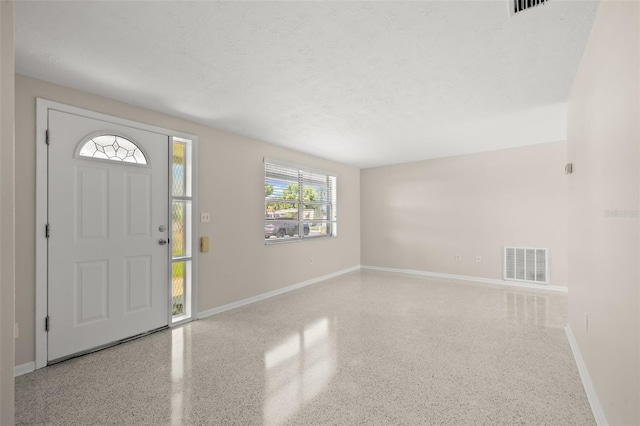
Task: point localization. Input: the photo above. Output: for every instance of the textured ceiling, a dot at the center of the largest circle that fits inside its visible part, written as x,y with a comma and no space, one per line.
363,83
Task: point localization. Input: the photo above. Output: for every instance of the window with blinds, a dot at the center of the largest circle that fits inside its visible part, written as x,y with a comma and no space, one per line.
299,202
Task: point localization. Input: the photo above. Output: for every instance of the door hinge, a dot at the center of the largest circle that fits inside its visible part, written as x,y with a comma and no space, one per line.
47,230
568,168
46,137
46,323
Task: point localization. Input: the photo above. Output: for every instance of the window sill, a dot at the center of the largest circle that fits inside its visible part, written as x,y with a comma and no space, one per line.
276,241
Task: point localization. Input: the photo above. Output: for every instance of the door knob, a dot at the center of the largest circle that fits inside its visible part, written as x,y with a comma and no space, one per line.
162,241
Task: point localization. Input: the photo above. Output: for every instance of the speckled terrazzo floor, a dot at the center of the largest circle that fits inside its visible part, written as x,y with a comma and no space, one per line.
367,348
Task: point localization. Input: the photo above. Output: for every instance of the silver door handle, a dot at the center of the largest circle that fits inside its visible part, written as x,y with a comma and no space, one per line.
162,241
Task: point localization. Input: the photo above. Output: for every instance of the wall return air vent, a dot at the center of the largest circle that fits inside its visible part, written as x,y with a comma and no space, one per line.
517,6
526,264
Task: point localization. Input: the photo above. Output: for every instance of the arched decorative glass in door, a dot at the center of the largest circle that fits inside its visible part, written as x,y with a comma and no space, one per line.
113,148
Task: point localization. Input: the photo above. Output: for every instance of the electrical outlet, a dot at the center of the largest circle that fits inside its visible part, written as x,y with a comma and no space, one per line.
458,257
311,261
205,217
478,258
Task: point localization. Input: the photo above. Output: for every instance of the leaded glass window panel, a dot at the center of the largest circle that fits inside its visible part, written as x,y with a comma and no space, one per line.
114,148
179,169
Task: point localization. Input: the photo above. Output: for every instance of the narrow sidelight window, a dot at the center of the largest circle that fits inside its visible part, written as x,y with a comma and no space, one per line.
181,209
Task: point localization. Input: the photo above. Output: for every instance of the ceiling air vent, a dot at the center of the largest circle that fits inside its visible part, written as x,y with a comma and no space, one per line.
526,264
518,6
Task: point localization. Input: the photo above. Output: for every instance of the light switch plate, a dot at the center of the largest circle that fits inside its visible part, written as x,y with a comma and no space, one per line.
205,217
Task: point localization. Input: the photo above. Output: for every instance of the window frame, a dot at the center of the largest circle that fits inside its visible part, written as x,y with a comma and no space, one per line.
302,175
188,250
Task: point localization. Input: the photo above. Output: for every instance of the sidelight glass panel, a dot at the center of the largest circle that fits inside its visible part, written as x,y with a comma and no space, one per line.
179,169
178,281
181,227
178,228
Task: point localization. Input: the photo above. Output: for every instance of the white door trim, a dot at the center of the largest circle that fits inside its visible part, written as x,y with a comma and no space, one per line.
42,107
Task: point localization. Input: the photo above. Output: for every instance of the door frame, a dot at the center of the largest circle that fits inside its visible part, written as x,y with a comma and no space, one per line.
42,118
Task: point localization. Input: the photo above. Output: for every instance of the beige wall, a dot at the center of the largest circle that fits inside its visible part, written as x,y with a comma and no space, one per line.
231,187
7,204
420,215
603,144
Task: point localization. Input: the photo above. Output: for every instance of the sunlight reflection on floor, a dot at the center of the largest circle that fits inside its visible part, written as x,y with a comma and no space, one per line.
297,370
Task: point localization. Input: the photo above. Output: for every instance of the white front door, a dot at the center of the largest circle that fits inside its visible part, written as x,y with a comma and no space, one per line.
108,221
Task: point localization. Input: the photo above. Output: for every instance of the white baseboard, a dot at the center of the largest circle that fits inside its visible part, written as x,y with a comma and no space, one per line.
273,293
596,407
21,369
469,278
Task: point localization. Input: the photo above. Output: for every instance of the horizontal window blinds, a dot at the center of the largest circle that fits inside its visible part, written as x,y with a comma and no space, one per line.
300,203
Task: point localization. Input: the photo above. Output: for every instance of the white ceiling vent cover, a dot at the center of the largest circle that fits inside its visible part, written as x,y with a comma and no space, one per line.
517,6
526,264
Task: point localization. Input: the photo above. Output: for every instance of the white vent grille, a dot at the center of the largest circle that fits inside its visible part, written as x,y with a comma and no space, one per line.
517,6
526,264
